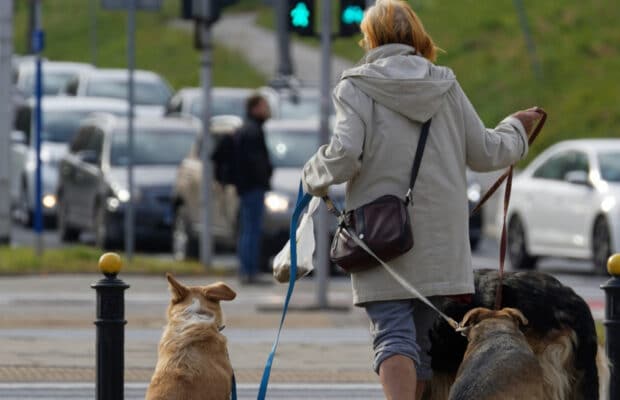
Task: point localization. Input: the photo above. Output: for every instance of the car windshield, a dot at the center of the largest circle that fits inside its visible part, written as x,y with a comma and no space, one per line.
301,108
60,126
610,165
291,148
152,146
52,82
145,93
222,105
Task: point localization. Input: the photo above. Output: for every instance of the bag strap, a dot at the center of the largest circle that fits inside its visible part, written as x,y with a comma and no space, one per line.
418,159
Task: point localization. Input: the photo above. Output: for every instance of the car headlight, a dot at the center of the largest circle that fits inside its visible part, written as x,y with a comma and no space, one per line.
49,201
276,202
473,192
123,195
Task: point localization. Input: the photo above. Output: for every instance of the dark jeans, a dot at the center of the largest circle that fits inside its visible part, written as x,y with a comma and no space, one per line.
251,219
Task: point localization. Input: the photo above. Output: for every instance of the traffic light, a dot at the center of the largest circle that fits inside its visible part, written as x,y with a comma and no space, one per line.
301,17
351,15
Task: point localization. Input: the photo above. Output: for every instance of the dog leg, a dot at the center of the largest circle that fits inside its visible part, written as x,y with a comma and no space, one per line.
439,386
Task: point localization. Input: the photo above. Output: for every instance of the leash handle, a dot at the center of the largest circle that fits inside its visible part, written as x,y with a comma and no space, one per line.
302,202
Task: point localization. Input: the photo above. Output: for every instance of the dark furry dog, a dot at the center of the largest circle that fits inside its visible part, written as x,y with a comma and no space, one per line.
499,363
561,332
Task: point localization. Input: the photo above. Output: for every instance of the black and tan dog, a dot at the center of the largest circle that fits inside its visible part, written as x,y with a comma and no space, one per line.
560,331
499,363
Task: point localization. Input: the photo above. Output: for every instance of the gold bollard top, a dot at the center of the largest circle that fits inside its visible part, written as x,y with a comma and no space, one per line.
111,263
613,264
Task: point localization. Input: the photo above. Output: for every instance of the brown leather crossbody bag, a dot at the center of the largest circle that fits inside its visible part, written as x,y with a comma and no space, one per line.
383,224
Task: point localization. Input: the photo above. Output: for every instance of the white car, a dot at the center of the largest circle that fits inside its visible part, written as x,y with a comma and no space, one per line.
151,91
56,74
565,204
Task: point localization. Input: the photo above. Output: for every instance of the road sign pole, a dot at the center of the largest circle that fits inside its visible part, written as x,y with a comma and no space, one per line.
37,44
206,246
6,117
322,250
129,212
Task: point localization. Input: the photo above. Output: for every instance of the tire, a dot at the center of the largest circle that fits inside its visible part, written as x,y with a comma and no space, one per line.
184,244
601,246
474,243
102,239
66,232
519,257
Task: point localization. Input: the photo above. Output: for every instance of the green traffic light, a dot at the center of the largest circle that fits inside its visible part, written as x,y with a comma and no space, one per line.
300,15
352,15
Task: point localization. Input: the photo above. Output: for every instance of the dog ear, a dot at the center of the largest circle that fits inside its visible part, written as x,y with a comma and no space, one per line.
178,290
517,315
219,291
474,316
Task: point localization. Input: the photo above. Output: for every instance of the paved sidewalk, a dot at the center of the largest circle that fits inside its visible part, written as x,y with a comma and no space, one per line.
47,332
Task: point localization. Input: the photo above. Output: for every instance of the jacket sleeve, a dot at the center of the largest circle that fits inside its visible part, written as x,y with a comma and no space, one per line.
491,149
340,160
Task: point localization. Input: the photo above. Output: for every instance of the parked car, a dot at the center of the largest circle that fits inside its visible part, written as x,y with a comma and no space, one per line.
290,145
226,101
565,204
294,103
56,74
93,190
61,119
151,91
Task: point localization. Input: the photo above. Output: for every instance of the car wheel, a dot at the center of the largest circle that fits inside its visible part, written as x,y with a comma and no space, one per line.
517,249
66,232
601,246
102,238
473,243
24,213
184,245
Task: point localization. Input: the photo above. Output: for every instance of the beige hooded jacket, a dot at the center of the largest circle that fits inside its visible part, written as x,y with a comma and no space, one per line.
380,107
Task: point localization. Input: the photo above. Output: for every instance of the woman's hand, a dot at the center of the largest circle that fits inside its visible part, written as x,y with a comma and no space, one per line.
528,117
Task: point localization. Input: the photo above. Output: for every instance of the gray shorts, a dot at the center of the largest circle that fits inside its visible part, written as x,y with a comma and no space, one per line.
401,327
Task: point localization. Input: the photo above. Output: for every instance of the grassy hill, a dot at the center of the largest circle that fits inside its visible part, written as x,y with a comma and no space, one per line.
577,43
161,45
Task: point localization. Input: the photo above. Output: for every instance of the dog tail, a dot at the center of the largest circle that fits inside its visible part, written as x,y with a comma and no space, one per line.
604,375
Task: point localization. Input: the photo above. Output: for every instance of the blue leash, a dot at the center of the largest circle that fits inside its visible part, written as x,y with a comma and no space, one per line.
302,202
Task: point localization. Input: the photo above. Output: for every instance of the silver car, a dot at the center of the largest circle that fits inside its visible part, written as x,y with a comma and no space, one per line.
61,118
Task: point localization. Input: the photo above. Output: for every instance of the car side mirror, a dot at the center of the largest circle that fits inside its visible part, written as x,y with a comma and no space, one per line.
18,137
88,157
578,178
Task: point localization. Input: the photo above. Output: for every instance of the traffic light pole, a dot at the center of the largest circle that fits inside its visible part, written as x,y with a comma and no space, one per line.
131,56
6,118
322,248
285,66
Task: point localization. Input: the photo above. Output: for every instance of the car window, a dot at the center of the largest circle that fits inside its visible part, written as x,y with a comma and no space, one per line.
146,93
291,148
559,165
152,146
609,163
52,82
222,105
60,126
23,120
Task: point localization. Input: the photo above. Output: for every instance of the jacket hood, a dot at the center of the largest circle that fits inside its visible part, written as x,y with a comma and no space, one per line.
399,79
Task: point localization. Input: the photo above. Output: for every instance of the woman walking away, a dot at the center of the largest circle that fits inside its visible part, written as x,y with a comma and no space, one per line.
381,106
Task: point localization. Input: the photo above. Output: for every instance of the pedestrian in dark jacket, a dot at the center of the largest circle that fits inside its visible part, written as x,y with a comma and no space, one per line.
253,180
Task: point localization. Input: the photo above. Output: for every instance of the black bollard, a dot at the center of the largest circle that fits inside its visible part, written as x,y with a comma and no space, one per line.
612,324
110,329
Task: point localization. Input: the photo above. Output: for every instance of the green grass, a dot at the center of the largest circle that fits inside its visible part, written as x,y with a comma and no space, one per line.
83,259
161,45
577,43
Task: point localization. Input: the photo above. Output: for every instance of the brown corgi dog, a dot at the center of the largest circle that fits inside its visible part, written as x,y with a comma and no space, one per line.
193,361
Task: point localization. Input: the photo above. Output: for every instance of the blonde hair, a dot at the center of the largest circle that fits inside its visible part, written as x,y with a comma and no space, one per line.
393,21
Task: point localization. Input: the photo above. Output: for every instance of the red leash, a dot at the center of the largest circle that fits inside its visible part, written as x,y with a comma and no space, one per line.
507,176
